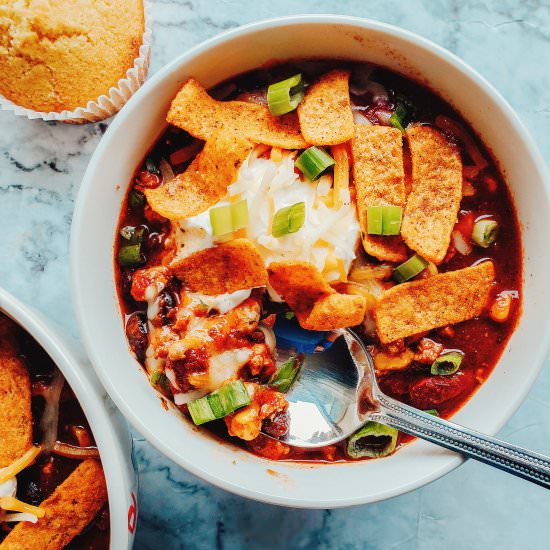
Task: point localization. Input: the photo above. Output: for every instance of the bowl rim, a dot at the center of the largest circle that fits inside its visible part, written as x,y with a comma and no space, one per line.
107,425
451,461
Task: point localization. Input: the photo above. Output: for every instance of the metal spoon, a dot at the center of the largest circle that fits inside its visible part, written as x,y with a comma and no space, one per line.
336,393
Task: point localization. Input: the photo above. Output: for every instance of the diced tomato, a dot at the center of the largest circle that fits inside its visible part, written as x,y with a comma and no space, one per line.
432,391
465,224
428,351
146,180
143,278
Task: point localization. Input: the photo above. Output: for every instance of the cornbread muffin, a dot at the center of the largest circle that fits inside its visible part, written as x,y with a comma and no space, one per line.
57,55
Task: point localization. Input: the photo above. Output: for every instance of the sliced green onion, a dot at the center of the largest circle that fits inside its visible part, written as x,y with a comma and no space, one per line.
151,166
447,363
155,377
239,215
284,96
384,220
391,220
374,220
289,315
314,162
228,218
433,412
201,411
220,403
136,199
130,255
409,269
286,374
134,235
485,232
220,219
397,119
373,440
288,219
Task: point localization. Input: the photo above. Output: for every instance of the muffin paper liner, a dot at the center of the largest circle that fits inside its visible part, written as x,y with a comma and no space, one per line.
105,105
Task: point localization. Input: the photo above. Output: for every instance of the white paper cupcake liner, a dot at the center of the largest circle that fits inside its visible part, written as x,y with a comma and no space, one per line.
106,105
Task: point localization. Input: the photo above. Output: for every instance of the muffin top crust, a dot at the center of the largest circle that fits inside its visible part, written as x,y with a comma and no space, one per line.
57,55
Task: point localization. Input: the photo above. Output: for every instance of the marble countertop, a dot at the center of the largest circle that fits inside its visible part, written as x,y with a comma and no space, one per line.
41,166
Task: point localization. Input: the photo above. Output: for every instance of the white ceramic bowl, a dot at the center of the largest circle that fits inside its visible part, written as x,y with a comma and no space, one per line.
126,143
108,426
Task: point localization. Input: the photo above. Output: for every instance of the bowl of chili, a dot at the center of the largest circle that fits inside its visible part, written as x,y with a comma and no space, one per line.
497,250
66,449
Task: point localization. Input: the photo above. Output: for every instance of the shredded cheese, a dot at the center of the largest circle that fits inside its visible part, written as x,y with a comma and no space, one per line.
11,503
19,464
341,172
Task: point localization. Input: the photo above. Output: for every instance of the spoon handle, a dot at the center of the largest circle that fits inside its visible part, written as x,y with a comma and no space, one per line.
505,456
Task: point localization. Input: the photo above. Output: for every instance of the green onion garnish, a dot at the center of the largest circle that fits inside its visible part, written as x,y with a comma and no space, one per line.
384,220
284,96
136,199
228,218
239,215
314,162
220,219
374,220
130,255
485,232
288,219
433,412
286,374
373,440
220,403
409,269
447,363
397,119
151,166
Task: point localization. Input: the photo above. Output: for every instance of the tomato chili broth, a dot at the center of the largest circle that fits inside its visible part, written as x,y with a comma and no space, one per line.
481,340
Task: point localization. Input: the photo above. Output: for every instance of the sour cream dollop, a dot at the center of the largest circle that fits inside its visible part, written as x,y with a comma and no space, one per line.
327,239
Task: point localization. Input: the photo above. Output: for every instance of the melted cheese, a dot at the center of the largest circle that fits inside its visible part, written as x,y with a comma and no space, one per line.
11,503
8,488
222,302
19,464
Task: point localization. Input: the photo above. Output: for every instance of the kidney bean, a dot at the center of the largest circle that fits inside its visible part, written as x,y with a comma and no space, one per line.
126,283
432,391
147,180
137,334
276,426
169,302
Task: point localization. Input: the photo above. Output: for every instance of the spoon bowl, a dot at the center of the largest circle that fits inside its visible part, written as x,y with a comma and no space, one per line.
336,393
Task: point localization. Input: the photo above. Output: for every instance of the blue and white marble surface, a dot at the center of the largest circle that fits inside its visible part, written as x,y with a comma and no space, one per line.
474,507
